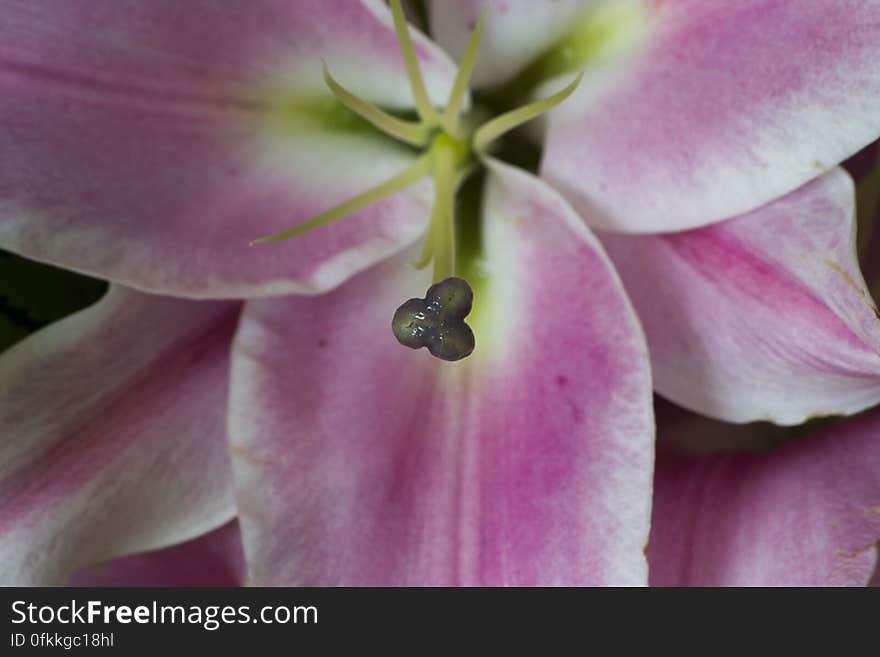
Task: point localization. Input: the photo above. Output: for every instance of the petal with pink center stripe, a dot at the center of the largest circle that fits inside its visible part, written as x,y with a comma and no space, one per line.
762,317
358,461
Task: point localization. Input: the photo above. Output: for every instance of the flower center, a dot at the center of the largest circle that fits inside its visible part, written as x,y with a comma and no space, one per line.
452,146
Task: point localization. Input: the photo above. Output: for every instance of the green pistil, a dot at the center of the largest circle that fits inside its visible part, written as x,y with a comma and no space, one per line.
447,155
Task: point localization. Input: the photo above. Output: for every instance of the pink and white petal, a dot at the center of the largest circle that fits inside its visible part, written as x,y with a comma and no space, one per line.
114,437
150,143
727,106
358,461
804,514
762,317
212,559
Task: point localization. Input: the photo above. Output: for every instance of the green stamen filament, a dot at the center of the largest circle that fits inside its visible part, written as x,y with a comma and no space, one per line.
417,84
418,170
490,131
451,114
410,132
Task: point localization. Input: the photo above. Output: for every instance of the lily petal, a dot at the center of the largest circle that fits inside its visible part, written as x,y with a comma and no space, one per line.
762,317
804,514
358,461
113,430
212,559
149,143
727,106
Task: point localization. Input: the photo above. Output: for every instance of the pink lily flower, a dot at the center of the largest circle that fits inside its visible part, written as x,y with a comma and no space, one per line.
148,143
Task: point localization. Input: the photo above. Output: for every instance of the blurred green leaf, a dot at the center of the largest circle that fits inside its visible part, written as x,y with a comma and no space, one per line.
33,295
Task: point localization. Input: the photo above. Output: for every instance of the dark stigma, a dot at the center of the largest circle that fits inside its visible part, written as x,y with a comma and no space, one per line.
437,321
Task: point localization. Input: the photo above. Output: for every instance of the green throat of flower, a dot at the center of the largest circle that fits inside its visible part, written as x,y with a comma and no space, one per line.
452,147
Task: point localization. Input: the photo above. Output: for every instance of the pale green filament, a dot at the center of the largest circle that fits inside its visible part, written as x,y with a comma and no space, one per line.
452,112
417,84
490,131
418,170
406,131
